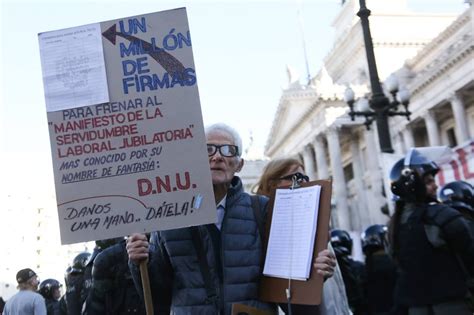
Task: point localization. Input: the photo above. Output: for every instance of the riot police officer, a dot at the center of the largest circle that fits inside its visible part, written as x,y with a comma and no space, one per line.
50,289
113,290
380,270
74,283
353,272
426,237
100,245
460,196
62,300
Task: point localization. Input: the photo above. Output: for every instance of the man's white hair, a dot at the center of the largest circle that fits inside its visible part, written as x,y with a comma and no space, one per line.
221,127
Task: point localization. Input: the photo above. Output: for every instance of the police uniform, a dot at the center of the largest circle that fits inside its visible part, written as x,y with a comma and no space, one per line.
430,276
113,290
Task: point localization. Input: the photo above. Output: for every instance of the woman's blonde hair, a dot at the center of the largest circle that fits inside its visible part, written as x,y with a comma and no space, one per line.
27,285
271,174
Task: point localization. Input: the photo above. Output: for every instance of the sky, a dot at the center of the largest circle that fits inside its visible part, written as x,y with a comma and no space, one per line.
240,48
241,51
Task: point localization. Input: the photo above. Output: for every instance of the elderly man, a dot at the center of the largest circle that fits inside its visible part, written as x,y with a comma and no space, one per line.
26,301
206,269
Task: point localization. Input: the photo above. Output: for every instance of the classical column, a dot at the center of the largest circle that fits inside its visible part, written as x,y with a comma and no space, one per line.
320,151
308,162
408,138
462,132
339,182
362,215
432,128
398,143
375,196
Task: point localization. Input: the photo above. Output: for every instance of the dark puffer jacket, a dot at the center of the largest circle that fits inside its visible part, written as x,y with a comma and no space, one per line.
175,275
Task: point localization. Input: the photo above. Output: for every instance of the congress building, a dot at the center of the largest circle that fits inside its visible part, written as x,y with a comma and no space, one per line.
430,55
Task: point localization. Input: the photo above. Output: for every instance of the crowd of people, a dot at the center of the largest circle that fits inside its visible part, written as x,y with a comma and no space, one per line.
419,263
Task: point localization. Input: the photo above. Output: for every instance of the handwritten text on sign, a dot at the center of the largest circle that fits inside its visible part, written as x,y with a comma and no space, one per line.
137,163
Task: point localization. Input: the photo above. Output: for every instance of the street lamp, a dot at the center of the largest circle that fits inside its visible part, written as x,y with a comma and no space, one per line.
379,107
362,106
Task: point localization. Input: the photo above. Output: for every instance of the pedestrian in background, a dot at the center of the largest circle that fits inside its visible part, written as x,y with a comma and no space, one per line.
26,301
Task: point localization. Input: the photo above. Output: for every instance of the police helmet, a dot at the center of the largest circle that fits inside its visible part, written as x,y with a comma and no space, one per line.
80,262
103,244
374,238
67,272
458,194
47,287
407,176
341,241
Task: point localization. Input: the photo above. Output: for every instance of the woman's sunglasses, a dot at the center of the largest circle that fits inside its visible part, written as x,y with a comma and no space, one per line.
298,177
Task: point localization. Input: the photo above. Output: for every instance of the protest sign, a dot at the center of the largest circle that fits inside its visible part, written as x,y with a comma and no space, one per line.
125,126
460,166
454,164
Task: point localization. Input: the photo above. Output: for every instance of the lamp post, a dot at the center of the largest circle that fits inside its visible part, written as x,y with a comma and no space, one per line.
379,107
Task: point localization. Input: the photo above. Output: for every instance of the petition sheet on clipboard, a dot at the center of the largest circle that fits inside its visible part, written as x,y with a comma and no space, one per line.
292,233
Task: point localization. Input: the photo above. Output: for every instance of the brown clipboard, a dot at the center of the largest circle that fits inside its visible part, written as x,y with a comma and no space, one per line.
302,292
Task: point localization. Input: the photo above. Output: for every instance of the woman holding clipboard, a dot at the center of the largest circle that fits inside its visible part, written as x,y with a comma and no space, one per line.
280,173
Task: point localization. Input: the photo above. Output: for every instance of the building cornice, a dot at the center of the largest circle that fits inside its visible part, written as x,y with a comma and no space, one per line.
270,148
320,104
285,101
453,55
457,24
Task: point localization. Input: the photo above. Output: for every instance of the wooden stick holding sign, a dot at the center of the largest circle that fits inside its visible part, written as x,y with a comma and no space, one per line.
146,287
242,309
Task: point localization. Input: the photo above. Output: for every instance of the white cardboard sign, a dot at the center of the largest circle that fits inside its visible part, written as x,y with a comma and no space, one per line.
136,160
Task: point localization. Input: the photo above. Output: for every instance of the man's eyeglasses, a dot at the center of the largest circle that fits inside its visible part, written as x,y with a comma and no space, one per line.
227,150
299,178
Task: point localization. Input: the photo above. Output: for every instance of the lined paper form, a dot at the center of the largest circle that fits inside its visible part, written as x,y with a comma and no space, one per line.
73,67
292,233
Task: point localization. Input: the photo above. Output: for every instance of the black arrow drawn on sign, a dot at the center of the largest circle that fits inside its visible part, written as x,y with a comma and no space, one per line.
166,60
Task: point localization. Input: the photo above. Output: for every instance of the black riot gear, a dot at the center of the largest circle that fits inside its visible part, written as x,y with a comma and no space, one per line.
374,238
79,263
47,287
407,174
100,246
352,271
341,241
74,279
103,244
428,242
458,195
113,290
381,271
421,248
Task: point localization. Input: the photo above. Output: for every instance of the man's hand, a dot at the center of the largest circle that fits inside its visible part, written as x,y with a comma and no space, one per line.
325,263
137,248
